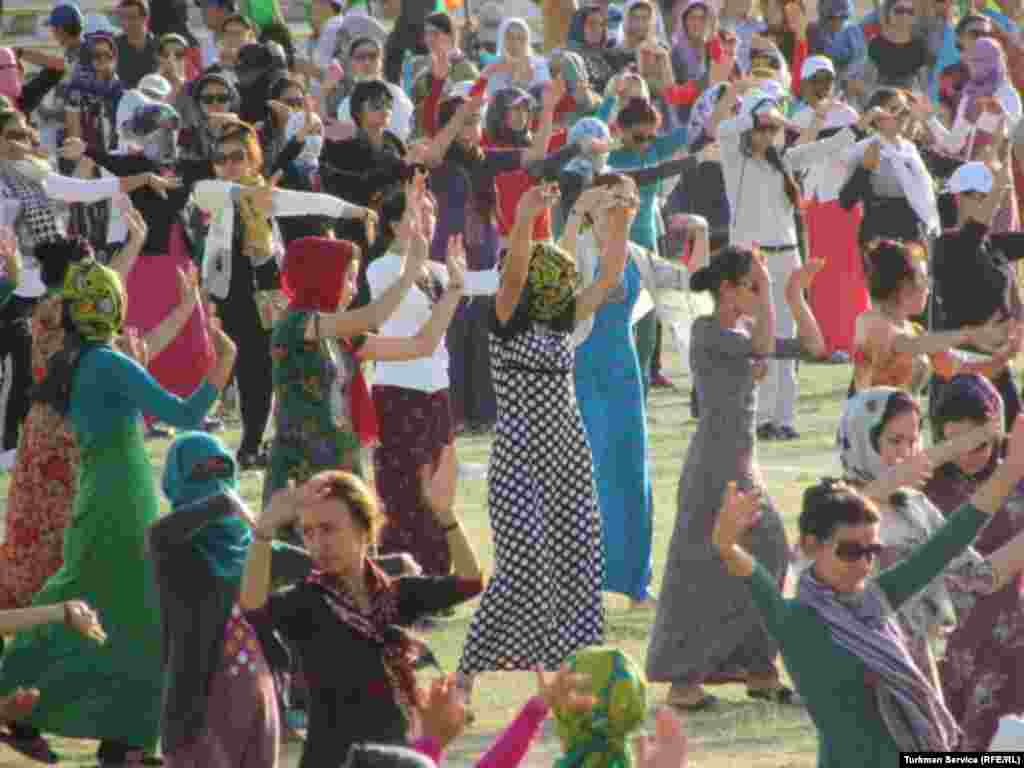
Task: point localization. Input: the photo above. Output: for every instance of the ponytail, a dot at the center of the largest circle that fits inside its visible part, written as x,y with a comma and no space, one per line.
792,189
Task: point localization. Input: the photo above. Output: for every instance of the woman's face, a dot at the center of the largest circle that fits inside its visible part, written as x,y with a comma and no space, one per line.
763,137
974,461
743,294
845,560
517,116
231,161
471,134
914,290
214,99
595,26
172,59
894,122
333,537
696,23
377,113
350,287
14,130
515,42
640,137
104,60
817,88
900,438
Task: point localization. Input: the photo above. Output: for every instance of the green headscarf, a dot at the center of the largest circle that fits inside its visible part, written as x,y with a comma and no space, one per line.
552,279
95,299
600,738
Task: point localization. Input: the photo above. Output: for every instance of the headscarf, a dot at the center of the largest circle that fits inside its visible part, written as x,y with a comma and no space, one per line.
10,76
859,428
497,131
586,166
96,301
199,467
987,75
692,56
313,278
552,281
599,738
205,132
514,21
864,624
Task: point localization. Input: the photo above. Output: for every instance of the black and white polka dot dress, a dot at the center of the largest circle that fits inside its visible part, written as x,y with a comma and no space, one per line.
544,599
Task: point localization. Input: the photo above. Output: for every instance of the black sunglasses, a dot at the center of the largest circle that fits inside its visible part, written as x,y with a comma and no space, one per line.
215,98
213,467
379,103
220,158
902,10
851,551
295,101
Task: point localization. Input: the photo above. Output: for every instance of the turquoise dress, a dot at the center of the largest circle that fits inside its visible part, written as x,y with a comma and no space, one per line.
109,691
610,393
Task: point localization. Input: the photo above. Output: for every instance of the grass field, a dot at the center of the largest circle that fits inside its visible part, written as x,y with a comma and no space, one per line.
743,732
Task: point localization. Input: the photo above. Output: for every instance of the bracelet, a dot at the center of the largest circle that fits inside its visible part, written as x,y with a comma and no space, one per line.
450,528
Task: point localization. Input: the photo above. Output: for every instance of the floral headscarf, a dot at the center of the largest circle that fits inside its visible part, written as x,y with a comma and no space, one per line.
859,428
600,738
96,300
552,280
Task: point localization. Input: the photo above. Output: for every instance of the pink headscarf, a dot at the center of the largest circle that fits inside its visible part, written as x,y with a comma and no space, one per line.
10,76
988,73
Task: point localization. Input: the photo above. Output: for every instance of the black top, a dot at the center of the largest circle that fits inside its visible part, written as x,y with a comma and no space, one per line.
973,276
133,63
351,697
898,63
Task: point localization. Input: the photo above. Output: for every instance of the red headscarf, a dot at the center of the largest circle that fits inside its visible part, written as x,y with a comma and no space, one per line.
313,279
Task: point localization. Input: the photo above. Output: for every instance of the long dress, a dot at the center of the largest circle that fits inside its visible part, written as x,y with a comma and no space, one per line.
110,691
609,389
983,670
707,629
544,600
43,484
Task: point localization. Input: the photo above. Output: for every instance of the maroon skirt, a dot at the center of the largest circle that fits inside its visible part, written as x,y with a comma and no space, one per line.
414,427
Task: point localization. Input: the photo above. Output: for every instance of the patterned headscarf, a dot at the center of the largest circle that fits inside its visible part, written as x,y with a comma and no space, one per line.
859,428
95,299
600,738
584,165
552,281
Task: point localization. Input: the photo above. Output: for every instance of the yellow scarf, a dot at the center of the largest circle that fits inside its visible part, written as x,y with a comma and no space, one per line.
257,230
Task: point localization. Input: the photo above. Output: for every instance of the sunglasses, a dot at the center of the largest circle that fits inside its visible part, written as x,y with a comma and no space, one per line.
367,56
379,104
102,56
644,138
213,467
221,158
852,551
215,98
295,102
765,62
903,10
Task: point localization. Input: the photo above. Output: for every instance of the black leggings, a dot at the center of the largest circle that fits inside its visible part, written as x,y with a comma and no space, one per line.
253,368
16,342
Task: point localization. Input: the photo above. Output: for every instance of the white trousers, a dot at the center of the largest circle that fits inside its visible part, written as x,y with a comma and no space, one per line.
776,397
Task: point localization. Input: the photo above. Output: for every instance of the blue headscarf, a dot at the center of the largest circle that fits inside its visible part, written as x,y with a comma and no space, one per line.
584,165
198,467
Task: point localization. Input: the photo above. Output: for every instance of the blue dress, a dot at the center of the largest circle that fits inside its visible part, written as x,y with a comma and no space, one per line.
609,390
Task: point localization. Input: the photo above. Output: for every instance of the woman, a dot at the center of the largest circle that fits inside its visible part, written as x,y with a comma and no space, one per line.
325,416
763,199
839,631
44,481
411,397
520,68
117,687
694,25
219,708
701,635
241,249
891,350
545,600
347,608
985,118
982,660
463,183
890,177
588,37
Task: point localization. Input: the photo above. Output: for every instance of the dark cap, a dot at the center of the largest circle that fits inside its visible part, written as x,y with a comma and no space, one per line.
442,22
65,15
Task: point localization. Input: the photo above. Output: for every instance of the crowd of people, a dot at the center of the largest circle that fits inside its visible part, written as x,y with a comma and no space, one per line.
387,241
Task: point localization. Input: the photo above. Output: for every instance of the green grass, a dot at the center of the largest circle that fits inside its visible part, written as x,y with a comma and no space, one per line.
755,733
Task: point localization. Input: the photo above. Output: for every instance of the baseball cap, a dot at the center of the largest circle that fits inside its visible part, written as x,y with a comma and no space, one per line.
155,86
970,177
815,64
65,15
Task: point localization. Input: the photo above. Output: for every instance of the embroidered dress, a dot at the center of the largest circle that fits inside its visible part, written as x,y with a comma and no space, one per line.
43,485
544,601
312,414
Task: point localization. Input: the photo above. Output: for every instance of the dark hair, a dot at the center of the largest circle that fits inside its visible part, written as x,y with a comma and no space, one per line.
361,41
832,503
55,256
637,112
972,18
732,263
142,5
364,92
359,498
773,157
953,406
390,211
881,96
887,266
279,33
898,403
237,18
467,160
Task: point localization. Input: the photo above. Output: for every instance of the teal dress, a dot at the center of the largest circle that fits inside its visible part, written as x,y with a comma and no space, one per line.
111,691
609,390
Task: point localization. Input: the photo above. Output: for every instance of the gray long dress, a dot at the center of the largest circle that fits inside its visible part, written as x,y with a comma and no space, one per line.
707,628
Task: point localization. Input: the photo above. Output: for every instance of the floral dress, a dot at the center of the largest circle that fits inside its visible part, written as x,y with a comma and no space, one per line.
43,484
314,428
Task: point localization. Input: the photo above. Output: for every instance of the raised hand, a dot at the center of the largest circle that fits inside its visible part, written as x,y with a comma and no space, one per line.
72,149
137,227
554,90
456,261
800,279
162,184
565,690
536,199
438,485
442,710
83,619
188,288
740,511
262,198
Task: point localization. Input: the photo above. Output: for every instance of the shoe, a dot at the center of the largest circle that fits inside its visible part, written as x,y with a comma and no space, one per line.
157,432
212,424
767,431
661,381
781,695
786,433
7,459
252,460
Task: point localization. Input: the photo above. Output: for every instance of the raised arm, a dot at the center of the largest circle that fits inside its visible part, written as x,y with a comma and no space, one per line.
157,339
808,331
762,336
553,92
517,260
124,260
618,206
437,147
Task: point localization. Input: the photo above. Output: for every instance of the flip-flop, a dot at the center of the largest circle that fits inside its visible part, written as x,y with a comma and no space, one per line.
781,695
36,748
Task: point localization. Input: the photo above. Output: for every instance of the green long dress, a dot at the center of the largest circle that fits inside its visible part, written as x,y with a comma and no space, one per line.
111,691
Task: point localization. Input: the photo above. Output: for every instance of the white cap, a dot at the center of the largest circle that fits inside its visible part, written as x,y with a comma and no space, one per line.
970,177
155,86
815,64
130,102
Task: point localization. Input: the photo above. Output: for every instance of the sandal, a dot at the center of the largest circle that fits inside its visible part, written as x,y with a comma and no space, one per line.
782,695
705,702
34,747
